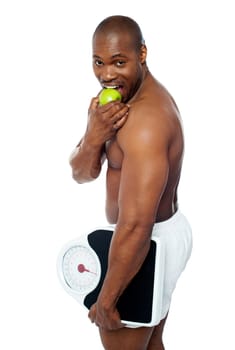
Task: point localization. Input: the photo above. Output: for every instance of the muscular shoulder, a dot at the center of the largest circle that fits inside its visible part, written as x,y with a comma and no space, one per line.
153,121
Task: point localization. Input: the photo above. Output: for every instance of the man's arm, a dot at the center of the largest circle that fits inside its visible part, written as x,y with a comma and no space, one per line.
143,179
86,161
103,122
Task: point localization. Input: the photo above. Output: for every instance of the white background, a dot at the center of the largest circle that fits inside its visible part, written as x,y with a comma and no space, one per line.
46,83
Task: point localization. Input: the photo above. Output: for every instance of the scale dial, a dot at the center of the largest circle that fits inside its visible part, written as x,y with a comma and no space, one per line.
81,269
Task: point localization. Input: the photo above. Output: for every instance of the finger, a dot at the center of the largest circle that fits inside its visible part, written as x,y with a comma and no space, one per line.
94,103
92,319
90,316
119,123
119,114
114,326
111,104
114,108
92,313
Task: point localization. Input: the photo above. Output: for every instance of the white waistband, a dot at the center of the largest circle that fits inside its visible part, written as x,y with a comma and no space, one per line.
172,220
164,224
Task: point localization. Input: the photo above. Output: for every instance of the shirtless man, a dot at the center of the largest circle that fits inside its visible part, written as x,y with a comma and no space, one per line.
142,140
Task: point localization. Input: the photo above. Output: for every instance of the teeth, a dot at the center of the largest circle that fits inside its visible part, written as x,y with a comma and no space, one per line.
111,87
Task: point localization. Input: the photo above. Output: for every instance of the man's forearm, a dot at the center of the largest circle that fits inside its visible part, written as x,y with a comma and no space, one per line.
86,162
125,259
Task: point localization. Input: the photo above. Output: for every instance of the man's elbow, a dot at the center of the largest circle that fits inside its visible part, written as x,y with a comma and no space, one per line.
81,178
76,177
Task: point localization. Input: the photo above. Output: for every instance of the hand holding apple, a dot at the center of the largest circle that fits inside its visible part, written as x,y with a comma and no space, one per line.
105,118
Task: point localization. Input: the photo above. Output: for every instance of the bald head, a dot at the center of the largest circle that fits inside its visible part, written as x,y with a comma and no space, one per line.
118,25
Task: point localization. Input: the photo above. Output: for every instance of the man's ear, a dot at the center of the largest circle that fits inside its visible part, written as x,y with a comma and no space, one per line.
143,53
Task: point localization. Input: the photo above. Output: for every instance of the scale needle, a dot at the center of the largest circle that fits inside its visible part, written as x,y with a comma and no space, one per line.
82,268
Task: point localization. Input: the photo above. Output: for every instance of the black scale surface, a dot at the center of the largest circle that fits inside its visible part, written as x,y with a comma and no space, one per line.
135,304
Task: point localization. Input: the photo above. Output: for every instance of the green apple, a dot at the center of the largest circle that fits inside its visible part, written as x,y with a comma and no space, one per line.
108,95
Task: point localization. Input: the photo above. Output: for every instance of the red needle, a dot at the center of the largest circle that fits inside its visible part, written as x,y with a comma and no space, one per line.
81,268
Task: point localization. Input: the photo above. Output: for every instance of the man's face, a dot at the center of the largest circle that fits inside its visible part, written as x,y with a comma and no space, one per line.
116,63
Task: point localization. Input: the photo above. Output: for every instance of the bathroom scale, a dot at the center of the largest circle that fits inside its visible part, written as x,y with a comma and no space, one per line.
82,264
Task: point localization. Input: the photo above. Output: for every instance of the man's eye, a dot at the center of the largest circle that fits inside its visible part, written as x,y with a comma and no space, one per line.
120,63
98,63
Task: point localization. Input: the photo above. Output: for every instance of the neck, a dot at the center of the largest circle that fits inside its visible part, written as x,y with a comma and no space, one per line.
145,75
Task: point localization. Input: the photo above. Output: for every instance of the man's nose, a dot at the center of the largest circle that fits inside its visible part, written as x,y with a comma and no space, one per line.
108,73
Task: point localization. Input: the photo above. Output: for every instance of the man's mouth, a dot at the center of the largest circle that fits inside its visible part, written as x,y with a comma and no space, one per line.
110,86
117,87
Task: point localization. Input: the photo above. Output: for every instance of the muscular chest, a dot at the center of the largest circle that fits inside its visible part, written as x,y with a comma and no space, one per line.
114,154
